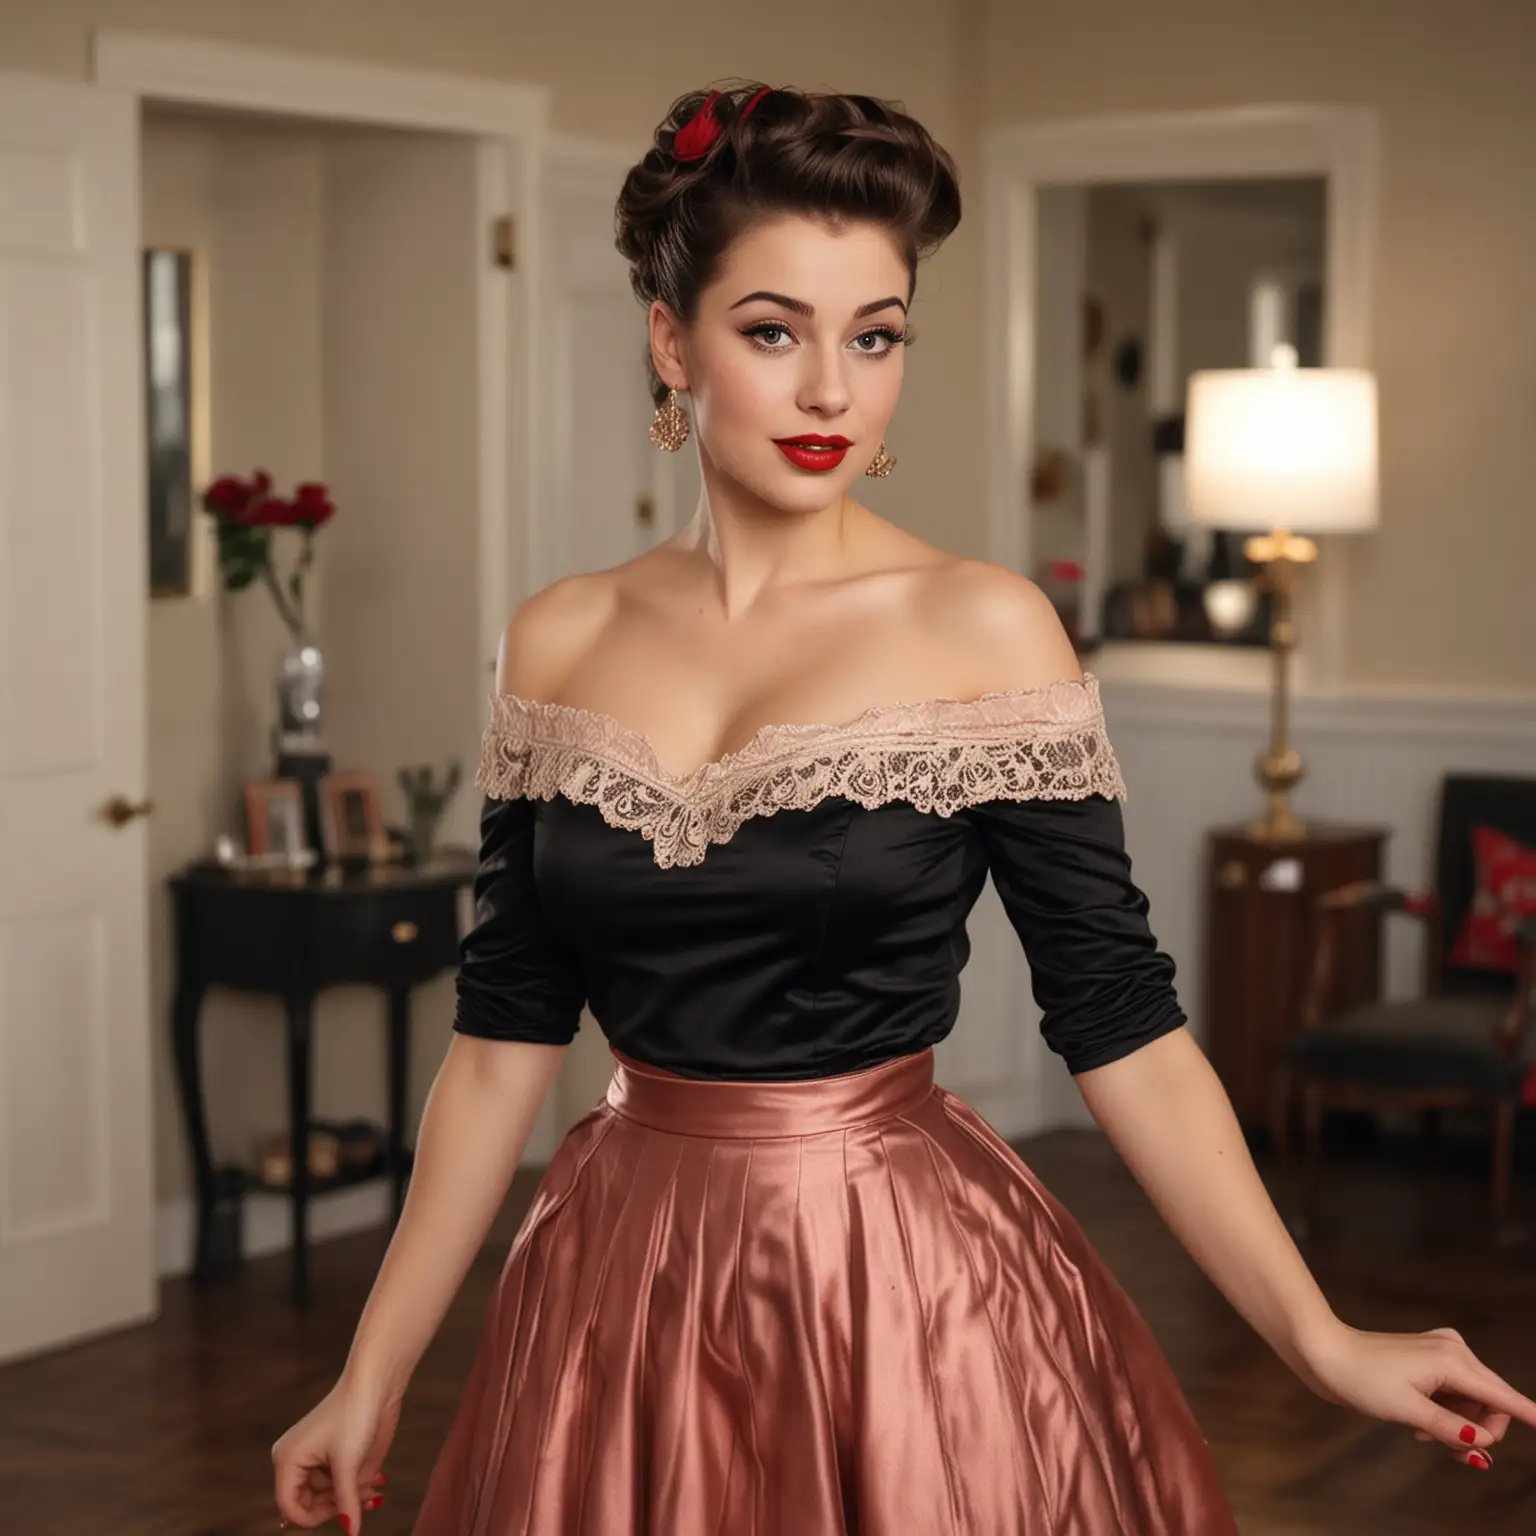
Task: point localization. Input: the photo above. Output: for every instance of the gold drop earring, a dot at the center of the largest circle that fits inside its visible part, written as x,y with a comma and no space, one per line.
669,427
882,463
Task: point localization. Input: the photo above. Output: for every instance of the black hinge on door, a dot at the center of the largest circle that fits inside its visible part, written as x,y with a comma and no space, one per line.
504,242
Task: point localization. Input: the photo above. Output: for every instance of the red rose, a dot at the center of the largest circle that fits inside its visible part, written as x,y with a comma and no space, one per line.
312,505
228,496
260,484
1066,570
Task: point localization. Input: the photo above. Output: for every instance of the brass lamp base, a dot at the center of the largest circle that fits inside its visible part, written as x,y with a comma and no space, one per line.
1278,773
1280,768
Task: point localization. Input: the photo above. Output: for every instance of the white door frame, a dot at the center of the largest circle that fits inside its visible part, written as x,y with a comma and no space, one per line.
572,167
509,120
573,164
1339,144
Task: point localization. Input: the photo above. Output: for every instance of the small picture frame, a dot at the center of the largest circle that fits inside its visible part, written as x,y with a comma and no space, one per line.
274,818
352,818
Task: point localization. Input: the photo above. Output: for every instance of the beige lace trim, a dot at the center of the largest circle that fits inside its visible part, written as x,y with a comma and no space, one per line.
1045,743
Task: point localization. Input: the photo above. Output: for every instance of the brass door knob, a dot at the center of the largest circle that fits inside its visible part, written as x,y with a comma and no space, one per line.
403,932
119,810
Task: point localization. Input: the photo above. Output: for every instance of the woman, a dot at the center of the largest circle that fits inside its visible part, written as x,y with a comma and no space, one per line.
777,1281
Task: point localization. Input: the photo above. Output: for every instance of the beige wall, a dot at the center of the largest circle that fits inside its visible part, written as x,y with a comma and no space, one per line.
405,679
402,590
248,204
1440,594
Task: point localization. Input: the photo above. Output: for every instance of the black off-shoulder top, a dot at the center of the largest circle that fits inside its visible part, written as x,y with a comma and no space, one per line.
798,908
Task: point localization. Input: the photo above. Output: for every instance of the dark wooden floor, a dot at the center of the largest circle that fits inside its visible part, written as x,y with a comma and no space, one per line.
166,1430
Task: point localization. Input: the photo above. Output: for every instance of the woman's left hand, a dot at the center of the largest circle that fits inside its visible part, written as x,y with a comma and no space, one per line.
1430,1381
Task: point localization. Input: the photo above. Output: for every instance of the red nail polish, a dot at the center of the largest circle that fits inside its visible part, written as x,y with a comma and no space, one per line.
1478,1460
382,1480
1468,1434
346,1523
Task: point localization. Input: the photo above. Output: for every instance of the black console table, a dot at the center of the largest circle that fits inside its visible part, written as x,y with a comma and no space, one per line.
291,935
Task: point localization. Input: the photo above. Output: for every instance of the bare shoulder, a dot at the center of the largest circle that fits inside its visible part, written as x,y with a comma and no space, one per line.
551,631
997,629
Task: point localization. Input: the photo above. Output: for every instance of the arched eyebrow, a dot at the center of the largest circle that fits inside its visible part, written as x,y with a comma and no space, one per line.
800,307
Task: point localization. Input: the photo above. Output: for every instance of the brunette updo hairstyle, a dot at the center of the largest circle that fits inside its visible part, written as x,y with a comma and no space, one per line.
830,156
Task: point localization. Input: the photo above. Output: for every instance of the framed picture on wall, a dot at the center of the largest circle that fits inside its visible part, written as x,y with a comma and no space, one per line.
352,818
274,817
174,418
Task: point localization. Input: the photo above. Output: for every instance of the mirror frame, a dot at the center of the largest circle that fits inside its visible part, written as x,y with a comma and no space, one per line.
1339,144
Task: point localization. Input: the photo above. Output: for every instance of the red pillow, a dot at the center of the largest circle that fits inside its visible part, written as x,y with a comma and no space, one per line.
1506,892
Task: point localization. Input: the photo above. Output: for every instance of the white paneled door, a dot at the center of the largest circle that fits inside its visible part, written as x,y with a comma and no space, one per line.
75,1150
610,494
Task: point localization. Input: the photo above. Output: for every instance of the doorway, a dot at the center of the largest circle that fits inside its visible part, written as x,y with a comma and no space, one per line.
337,337
140,719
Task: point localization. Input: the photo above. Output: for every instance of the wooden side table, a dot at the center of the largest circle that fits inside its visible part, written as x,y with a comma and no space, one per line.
1259,939
292,936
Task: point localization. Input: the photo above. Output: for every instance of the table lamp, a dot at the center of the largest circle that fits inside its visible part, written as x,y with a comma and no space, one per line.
1281,453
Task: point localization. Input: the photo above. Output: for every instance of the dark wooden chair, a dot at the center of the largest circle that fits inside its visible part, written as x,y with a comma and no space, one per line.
1464,1042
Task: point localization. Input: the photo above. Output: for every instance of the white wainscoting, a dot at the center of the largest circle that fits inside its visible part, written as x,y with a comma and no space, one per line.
1187,754
268,1224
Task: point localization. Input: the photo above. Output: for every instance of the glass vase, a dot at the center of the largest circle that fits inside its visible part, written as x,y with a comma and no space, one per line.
300,698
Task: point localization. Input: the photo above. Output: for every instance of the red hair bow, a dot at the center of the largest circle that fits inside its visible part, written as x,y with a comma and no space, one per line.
697,136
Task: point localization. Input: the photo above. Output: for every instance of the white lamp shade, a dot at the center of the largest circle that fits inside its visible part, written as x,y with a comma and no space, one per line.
1292,448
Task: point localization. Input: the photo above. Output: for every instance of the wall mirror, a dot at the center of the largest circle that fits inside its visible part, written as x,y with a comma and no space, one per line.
1141,284
174,420
1125,253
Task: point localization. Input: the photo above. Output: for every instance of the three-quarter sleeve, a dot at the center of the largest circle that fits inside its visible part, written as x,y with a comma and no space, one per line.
516,981
1103,985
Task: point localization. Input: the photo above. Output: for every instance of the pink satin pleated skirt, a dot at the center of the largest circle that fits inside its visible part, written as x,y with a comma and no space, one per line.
841,1307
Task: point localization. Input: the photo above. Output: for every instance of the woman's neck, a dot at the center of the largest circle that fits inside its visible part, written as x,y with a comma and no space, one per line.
754,549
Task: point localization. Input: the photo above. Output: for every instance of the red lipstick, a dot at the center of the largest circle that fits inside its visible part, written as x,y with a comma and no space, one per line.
812,451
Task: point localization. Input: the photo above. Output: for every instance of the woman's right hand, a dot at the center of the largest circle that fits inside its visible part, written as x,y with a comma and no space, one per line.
330,1465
